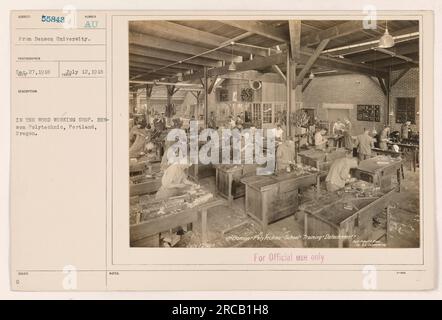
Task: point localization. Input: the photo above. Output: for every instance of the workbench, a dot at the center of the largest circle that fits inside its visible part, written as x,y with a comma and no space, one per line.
379,170
199,171
335,140
390,153
411,150
344,220
228,180
186,217
147,180
270,198
321,159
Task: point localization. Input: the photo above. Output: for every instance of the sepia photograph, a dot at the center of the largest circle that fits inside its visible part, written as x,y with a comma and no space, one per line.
274,133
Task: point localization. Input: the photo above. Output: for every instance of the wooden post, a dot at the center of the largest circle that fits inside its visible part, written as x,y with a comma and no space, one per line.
289,93
206,98
291,96
388,85
149,88
134,103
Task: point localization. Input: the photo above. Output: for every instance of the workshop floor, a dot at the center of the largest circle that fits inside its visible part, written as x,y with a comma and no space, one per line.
230,227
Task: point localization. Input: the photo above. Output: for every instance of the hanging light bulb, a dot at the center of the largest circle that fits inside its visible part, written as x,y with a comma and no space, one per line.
311,76
232,65
386,41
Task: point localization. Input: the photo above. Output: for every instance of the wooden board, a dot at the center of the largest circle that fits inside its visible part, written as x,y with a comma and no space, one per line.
270,198
379,171
331,218
148,187
228,180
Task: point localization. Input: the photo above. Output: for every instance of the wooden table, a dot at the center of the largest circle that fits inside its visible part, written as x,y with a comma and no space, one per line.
188,216
227,175
145,185
270,198
379,171
390,153
329,217
407,149
200,171
321,159
336,140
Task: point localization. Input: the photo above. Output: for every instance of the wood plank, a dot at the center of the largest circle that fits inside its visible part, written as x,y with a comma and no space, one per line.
394,54
162,62
400,75
383,86
148,187
295,38
342,64
371,55
255,64
171,56
146,66
173,31
341,30
310,62
305,86
373,42
279,72
259,28
174,46
162,223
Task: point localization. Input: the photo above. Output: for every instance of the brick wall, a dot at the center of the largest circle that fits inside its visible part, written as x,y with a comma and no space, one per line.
406,87
346,89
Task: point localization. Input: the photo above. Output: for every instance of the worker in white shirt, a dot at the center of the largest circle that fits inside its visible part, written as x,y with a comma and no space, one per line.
174,181
279,134
232,122
338,127
320,142
364,143
339,173
383,138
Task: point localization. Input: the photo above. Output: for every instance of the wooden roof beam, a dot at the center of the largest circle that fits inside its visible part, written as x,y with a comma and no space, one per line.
400,75
371,43
310,62
145,66
145,40
343,64
162,63
295,38
341,30
403,48
259,28
256,64
171,56
175,31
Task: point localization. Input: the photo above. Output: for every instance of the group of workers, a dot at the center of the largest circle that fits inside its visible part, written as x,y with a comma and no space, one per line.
175,180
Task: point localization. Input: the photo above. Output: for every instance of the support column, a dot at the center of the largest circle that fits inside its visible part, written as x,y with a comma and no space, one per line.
138,102
291,92
388,85
206,98
170,92
149,88
134,103
288,86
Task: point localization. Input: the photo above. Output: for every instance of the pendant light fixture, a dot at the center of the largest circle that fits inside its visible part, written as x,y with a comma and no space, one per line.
386,41
232,65
311,76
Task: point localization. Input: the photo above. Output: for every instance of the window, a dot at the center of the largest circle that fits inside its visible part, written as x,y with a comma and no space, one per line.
267,113
406,110
256,114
